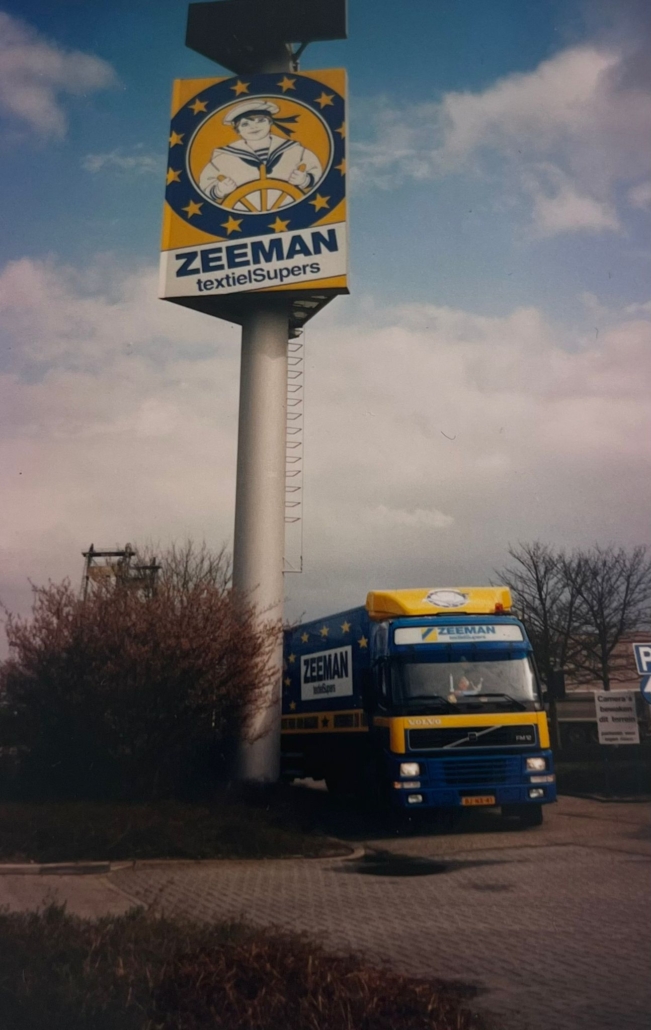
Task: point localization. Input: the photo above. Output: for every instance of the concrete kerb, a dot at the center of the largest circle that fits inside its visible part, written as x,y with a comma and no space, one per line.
103,868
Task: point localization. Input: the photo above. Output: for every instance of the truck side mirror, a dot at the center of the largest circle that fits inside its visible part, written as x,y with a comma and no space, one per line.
556,685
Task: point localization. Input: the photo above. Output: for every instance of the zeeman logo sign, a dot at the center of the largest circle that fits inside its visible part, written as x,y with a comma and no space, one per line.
327,674
256,185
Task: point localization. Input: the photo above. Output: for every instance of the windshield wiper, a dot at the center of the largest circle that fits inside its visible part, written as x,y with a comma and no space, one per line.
504,697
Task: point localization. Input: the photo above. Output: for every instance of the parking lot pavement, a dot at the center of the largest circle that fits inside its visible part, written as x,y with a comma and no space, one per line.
551,924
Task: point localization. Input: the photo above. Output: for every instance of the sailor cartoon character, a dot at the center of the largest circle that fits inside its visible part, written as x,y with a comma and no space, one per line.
265,169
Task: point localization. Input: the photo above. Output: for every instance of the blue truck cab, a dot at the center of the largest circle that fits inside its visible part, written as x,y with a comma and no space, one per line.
426,698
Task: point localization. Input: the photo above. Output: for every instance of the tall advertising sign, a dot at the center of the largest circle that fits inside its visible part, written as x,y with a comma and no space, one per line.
256,191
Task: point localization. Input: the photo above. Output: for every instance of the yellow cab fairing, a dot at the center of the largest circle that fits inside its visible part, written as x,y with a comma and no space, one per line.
383,604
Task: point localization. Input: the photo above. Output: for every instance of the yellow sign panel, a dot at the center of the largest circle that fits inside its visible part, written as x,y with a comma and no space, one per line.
256,187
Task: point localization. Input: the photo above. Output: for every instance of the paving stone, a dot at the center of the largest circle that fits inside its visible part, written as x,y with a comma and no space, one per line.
555,931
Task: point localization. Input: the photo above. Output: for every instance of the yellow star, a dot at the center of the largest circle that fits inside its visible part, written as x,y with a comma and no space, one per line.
324,631
320,202
286,84
287,681
193,209
292,659
198,106
304,638
240,87
325,100
172,176
279,225
176,138
363,642
345,626
342,130
341,167
232,225
292,706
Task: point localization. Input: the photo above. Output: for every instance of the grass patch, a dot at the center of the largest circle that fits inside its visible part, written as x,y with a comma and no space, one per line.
138,973
266,823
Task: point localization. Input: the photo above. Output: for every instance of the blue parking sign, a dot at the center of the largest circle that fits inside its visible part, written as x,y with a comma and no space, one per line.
645,687
642,654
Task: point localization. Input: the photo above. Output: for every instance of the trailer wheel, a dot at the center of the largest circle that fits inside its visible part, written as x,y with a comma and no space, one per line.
528,815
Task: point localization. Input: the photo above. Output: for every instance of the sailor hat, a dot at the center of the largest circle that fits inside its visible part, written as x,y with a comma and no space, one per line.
249,107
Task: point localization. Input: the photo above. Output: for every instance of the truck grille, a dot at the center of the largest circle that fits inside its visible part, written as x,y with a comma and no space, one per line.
458,737
473,772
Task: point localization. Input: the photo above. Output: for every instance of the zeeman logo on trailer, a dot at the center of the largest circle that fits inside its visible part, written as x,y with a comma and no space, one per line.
327,674
256,185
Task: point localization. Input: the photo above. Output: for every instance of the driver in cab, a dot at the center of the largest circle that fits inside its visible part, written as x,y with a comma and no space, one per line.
463,686
259,153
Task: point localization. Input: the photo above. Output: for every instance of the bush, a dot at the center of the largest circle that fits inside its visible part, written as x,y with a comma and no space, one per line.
134,693
139,973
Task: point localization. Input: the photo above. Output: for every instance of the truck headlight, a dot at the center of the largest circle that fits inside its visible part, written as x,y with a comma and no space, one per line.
410,769
536,764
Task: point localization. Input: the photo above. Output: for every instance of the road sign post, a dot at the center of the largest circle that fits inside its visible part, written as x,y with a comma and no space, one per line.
254,231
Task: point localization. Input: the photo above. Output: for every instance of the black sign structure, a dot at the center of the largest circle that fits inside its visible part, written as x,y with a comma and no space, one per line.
239,34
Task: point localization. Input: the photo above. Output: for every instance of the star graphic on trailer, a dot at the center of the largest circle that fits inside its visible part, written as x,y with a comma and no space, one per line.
199,106
304,637
172,176
292,706
286,84
345,627
288,682
240,87
363,642
292,659
176,138
325,100
324,631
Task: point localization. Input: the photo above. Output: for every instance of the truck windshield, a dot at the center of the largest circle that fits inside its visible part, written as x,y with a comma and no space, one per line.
503,681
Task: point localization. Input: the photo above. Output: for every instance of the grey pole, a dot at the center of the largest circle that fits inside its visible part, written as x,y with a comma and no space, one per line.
259,540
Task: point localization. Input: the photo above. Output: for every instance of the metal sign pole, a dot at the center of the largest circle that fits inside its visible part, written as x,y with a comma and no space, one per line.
220,245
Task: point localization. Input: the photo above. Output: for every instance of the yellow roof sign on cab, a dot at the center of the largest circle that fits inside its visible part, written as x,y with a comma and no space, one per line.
383,604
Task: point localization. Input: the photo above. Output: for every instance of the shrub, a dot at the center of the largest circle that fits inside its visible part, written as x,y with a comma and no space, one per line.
132,693
139,973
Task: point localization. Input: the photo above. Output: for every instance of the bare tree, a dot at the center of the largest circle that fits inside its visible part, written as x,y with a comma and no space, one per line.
546,600
578,607
613,590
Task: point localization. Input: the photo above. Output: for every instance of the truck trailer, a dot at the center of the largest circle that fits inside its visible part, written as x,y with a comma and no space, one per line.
424,699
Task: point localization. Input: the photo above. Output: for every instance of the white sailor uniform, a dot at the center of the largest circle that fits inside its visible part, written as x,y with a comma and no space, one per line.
241,163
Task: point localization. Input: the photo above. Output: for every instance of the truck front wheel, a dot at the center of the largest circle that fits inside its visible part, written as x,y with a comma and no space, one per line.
528,815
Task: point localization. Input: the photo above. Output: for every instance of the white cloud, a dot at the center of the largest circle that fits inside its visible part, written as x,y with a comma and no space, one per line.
137,161
35,73
434,436
575,117
640,195
559,207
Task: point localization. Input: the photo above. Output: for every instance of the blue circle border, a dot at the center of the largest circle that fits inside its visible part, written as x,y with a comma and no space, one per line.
301,215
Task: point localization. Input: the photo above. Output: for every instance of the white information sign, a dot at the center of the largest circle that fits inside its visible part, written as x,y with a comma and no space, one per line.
459,634
616,717
327,674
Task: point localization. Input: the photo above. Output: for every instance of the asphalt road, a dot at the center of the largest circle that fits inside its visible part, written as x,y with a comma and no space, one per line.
550,924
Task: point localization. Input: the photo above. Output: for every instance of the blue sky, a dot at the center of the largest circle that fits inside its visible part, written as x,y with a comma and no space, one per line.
500,215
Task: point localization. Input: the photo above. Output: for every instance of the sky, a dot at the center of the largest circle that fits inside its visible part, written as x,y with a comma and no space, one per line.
486,382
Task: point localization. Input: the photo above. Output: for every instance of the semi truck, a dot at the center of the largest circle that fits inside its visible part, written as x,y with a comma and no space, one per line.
422,698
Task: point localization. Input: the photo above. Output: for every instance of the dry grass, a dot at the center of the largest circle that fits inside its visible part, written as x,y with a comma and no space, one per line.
139,973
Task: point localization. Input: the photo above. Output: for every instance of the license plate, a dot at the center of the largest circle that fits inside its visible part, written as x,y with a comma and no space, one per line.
481,799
